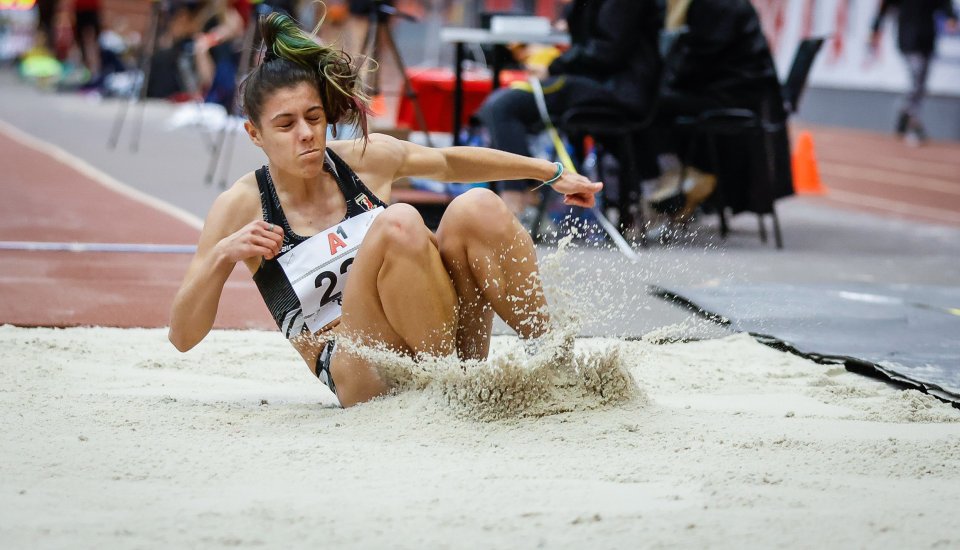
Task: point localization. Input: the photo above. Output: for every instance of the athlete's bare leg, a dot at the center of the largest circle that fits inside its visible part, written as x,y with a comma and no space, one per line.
398,294
493,265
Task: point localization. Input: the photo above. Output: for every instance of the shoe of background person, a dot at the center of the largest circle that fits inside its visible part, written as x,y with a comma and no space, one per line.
667,185
681,202
697,187
902,121
915,135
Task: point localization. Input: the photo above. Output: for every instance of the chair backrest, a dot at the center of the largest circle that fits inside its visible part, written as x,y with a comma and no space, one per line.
799,71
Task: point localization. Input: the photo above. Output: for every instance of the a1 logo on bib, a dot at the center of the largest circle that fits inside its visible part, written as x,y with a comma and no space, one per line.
364,202
334,240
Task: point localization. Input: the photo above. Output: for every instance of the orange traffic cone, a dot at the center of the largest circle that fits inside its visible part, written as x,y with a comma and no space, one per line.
806,175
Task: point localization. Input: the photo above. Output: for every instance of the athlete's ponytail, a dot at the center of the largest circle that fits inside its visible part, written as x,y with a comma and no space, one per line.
293,56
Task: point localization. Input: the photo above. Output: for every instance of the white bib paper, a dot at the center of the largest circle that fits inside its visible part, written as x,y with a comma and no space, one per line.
317,268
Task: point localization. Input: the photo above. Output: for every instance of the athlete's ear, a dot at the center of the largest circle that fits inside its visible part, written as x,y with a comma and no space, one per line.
253,132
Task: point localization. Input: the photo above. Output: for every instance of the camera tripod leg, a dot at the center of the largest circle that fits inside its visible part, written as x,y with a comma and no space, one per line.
228,156
408,90
140,94
247,55
215,155
118,123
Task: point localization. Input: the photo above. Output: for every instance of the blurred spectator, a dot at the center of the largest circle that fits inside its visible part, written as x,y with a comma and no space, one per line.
46,17
916,36
114,48
216,53
722,60
171,72
612,61
86,28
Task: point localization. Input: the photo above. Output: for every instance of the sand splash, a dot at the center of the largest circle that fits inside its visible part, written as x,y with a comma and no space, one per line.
519,379
513,383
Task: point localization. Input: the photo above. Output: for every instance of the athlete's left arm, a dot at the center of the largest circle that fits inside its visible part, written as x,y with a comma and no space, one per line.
479,164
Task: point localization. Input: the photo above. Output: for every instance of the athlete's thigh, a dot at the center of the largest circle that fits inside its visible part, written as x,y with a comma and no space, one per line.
363,314
363,317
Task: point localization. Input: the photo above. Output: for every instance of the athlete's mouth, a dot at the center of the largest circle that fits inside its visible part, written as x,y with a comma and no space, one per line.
307,152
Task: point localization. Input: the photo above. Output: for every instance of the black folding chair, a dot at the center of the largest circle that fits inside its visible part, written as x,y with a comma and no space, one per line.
619,134
717,123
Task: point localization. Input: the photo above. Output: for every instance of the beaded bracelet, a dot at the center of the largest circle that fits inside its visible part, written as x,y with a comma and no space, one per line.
556,176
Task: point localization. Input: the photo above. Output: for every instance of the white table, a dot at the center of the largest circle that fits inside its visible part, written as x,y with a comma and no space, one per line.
463,35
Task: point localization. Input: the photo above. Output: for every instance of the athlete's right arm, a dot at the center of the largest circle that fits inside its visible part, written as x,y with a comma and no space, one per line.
229,236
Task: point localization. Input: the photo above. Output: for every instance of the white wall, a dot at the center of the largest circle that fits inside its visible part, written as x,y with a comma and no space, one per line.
846,62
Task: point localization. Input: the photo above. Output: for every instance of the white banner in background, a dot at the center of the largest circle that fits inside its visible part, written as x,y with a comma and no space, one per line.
846,60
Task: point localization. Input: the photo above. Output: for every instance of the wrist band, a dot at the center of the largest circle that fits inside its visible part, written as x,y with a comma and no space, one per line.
556,176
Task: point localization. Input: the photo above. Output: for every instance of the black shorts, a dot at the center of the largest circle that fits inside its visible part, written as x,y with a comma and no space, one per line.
323,365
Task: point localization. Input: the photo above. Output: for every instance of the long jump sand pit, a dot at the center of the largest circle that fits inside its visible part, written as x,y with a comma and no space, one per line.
113,439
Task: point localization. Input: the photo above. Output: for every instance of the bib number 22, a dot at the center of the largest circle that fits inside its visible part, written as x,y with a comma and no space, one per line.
329,277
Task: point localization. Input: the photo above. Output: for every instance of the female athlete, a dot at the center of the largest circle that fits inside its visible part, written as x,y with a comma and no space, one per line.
328,254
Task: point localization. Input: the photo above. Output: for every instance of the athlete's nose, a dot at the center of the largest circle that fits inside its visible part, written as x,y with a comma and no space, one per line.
305,133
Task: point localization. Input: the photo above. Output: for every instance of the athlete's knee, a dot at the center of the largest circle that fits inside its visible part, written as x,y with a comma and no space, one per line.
478,212
400,229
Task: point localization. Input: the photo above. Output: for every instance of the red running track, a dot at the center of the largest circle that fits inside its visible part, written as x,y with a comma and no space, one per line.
880,174
48,200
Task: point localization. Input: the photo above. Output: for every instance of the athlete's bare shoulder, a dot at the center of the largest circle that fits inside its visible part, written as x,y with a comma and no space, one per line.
237,206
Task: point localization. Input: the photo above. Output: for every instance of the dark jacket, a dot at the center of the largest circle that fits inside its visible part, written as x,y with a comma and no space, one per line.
615,42
724,59
916,32
725,55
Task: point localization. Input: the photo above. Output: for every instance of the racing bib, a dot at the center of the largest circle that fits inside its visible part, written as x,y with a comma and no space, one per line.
317,268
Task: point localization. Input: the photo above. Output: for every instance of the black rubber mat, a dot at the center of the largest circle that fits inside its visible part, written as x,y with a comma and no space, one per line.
904,333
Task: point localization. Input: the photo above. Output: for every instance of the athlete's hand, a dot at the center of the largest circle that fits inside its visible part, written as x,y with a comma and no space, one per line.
577,190
257,238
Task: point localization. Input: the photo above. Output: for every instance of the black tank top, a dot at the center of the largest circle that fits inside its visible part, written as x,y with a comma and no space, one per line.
270,278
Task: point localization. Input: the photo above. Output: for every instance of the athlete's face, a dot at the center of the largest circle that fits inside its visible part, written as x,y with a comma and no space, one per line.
292,130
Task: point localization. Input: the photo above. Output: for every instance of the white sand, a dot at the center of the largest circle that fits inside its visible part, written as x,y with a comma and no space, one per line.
113,439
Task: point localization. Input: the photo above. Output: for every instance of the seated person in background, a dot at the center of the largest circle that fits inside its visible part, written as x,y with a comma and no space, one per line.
612,61
721,61
215,52
183,23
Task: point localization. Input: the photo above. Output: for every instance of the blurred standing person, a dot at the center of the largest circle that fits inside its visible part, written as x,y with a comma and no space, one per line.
612,61
215,52
46,16
86,28
916,37
184,22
